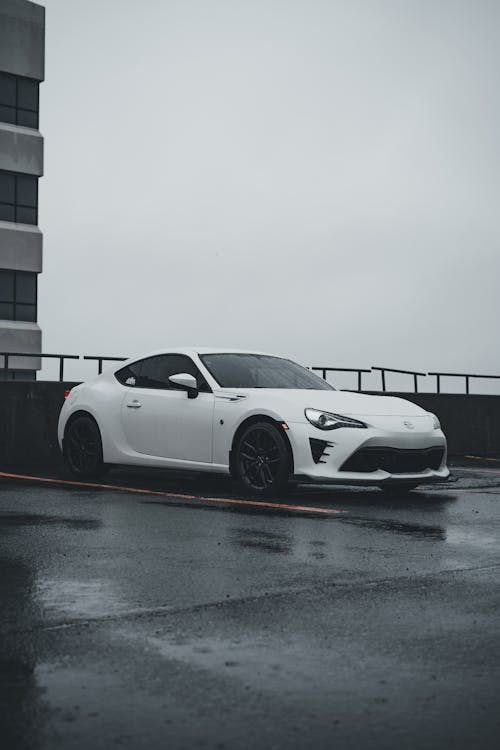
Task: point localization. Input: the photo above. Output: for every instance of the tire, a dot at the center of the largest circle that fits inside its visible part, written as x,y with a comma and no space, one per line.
83,449
400,487
262,461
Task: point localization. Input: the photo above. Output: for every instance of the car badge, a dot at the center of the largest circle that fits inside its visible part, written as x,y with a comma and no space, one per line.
408,424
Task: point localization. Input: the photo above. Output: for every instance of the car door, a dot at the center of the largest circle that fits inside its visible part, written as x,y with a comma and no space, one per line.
159,419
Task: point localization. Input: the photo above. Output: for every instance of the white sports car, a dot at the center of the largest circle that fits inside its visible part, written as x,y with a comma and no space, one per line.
261,418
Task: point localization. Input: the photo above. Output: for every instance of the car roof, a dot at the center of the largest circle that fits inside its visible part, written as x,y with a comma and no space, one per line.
190,351
201,350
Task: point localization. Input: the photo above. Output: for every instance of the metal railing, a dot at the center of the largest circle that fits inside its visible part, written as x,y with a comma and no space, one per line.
34,355
61,357
415,374
101,358
324,370
466,376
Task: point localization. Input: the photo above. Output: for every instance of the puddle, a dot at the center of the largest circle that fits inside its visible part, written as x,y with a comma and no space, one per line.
266,541
248,661
35,519
78,598
472,537
400,527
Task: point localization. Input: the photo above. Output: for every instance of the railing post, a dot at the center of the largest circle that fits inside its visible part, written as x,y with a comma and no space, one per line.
383,379
415,376
438,383
99,366
61,369
467,384
359,380
6,364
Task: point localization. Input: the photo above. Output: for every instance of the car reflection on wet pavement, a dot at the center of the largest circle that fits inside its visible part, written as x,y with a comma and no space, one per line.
331,617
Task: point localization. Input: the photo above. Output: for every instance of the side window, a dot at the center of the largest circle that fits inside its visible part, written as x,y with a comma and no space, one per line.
154,372
130,374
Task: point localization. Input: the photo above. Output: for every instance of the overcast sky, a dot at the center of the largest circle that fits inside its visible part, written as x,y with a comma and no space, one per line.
319,179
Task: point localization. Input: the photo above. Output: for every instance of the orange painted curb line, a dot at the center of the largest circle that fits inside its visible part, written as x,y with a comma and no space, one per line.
483,458
230,501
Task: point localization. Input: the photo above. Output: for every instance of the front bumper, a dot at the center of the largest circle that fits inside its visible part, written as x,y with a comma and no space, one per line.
344,443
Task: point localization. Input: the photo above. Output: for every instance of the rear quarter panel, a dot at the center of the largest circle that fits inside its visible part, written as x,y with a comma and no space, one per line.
101,399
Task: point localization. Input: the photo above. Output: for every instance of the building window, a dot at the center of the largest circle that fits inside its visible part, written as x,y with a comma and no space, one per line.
19,100
18,295
18,197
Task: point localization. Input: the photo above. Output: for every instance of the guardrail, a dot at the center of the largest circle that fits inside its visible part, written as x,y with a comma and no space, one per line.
100,358
34,355
467,377
324,370
61,357
416,375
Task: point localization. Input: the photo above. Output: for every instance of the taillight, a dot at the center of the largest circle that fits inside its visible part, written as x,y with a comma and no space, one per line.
67,391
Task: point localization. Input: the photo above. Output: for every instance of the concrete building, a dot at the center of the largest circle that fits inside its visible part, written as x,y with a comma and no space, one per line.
22,57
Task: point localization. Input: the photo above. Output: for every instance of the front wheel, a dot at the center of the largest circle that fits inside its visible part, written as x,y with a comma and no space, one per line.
262,461
83,449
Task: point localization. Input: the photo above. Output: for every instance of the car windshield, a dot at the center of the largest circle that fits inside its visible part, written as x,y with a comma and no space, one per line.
261,371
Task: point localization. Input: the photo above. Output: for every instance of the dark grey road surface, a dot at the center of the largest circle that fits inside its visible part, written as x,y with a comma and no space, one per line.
152,621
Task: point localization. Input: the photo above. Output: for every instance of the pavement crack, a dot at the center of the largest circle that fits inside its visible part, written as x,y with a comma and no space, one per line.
138,613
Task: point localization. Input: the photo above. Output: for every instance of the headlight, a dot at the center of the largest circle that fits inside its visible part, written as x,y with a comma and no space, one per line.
324,420
435,422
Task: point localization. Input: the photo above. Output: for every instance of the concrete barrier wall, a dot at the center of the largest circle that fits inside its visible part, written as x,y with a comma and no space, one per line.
28,424
29,414
471,423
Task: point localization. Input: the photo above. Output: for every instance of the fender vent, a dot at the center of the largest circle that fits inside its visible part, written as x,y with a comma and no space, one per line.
318,448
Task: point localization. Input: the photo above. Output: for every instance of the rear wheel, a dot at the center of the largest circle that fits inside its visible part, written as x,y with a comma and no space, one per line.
262,462
83,449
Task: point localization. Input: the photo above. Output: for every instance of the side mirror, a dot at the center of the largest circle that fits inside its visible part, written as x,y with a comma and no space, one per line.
187,382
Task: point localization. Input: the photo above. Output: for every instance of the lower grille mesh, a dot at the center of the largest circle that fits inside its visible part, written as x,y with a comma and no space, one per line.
394,460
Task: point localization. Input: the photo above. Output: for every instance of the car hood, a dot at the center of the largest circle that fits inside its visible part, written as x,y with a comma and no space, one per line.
293,402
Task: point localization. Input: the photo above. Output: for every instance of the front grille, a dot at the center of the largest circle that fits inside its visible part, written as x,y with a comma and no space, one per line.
394,460
318,448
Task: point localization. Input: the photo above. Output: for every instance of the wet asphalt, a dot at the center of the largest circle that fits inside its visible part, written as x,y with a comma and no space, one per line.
141,620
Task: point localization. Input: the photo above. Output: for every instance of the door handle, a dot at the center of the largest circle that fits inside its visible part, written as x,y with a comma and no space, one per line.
134,405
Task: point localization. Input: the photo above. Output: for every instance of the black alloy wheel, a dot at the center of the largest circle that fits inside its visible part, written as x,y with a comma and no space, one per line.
262,461
83,448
